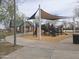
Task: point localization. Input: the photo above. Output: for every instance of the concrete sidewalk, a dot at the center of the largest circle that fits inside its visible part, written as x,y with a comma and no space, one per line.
44,50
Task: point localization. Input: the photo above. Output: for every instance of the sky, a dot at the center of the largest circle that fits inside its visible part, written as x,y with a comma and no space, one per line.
57,7
54,7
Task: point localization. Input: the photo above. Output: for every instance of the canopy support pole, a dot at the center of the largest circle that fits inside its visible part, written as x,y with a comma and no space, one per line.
39,23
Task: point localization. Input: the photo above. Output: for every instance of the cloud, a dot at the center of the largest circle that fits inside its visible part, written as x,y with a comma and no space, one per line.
60,7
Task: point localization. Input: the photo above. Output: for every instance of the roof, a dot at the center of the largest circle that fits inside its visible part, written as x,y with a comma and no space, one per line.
29,23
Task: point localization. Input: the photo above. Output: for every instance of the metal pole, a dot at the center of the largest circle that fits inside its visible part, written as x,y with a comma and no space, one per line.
24,26
14,23
74,25
39,23
65,26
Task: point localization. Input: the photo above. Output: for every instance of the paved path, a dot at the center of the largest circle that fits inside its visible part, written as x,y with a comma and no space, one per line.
44,50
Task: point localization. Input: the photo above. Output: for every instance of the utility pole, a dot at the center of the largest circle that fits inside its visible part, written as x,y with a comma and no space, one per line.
14,23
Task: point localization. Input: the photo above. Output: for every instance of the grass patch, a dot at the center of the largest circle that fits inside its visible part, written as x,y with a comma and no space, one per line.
8,33
7,48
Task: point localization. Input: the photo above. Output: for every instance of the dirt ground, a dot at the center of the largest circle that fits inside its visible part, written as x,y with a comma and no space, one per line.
7,48
47,38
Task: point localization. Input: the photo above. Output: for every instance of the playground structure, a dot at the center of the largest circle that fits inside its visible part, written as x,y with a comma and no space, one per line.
49,28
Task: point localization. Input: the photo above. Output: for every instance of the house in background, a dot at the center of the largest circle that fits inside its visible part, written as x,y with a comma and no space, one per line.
21,26
28,26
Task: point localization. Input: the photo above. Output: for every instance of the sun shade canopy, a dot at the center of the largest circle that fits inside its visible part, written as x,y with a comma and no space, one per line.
45,15
33,16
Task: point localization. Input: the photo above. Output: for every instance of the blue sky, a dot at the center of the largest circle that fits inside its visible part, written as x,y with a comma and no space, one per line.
58,7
